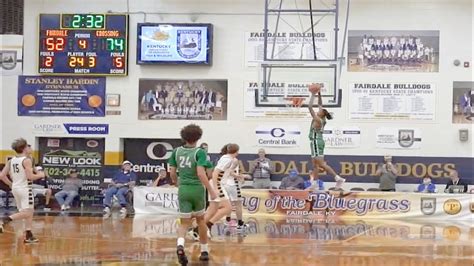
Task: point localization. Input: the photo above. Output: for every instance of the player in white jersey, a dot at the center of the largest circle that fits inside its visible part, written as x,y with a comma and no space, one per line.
232,186
224,170
20,170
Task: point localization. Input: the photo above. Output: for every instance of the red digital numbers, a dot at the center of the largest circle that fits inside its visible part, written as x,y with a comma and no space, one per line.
54,43
118,62
48,61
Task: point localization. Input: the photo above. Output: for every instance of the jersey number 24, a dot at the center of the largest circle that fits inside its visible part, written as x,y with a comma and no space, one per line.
184,162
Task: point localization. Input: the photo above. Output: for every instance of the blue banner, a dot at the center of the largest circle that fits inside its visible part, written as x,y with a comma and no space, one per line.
61,96
94,129
362,169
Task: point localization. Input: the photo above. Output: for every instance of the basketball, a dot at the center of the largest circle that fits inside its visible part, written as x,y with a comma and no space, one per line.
314,88
28,100
95,101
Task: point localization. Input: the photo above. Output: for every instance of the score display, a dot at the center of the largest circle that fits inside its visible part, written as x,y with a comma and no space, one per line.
83,44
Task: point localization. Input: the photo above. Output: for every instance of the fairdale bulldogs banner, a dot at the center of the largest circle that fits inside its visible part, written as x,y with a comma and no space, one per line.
155,200
392,101
61,96
356,205
59,155
149,156
398,138
280,93
278,136
289,46
341,137
334,205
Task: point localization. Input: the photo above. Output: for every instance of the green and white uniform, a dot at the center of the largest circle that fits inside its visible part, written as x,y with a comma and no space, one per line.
191,192
316,140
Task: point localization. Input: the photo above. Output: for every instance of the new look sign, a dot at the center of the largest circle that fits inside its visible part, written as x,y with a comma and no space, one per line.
278,136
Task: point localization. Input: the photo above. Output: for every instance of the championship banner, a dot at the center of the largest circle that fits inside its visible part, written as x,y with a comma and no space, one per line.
155,200
357,205
187,99
393,51
11,55
289,46
341,137
394,138
281,93
148,156
61,96
59,155
278,136
392,101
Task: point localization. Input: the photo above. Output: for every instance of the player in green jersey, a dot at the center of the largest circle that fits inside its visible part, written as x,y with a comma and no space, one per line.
316,139
187,169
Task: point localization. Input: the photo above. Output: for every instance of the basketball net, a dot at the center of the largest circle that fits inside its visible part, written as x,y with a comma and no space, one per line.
294,105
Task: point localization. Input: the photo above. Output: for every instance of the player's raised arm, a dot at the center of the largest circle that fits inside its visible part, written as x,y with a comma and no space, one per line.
314,89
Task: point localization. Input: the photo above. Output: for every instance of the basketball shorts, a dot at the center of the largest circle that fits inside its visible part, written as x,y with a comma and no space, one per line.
233,192
192,200
317,148
23,198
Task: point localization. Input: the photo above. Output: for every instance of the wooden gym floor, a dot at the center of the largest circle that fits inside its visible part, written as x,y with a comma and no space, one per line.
75,239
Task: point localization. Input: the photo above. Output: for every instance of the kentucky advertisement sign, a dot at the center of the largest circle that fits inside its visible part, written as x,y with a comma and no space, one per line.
398,138
278,136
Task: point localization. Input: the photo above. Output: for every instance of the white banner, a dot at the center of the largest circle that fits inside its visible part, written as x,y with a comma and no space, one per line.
279,103
278,136
398,138
154,200
289,46
49,129
392,101
342,137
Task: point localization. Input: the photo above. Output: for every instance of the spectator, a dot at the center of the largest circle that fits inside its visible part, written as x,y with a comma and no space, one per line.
427,186
292,182
312,184
162,179
455,181
70,190
261,170
122,181
40,187
388,174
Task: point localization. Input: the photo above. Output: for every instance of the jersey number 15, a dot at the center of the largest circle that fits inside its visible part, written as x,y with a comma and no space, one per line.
15,167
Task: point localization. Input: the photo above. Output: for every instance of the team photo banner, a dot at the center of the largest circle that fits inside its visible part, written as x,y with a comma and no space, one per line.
86,155
393,51
356,205
392,101
61,96
186,99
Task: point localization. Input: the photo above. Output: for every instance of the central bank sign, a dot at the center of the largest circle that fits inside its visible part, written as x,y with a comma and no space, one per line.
278,136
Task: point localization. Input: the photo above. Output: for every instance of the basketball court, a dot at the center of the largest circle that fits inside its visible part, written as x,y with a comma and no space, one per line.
101,91
149,240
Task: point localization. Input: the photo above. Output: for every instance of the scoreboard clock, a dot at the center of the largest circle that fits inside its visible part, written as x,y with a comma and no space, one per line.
83,44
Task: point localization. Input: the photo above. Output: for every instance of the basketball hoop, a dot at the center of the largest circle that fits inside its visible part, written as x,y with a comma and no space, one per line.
294,102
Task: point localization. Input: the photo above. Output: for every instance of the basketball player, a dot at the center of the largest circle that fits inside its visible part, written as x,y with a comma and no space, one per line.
232,186
20,169
190,161
224,170
316,136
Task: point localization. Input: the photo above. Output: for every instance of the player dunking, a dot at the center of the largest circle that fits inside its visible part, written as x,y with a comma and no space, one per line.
20,169
316,136
190,161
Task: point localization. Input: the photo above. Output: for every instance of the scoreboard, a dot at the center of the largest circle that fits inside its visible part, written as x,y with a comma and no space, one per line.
83,44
